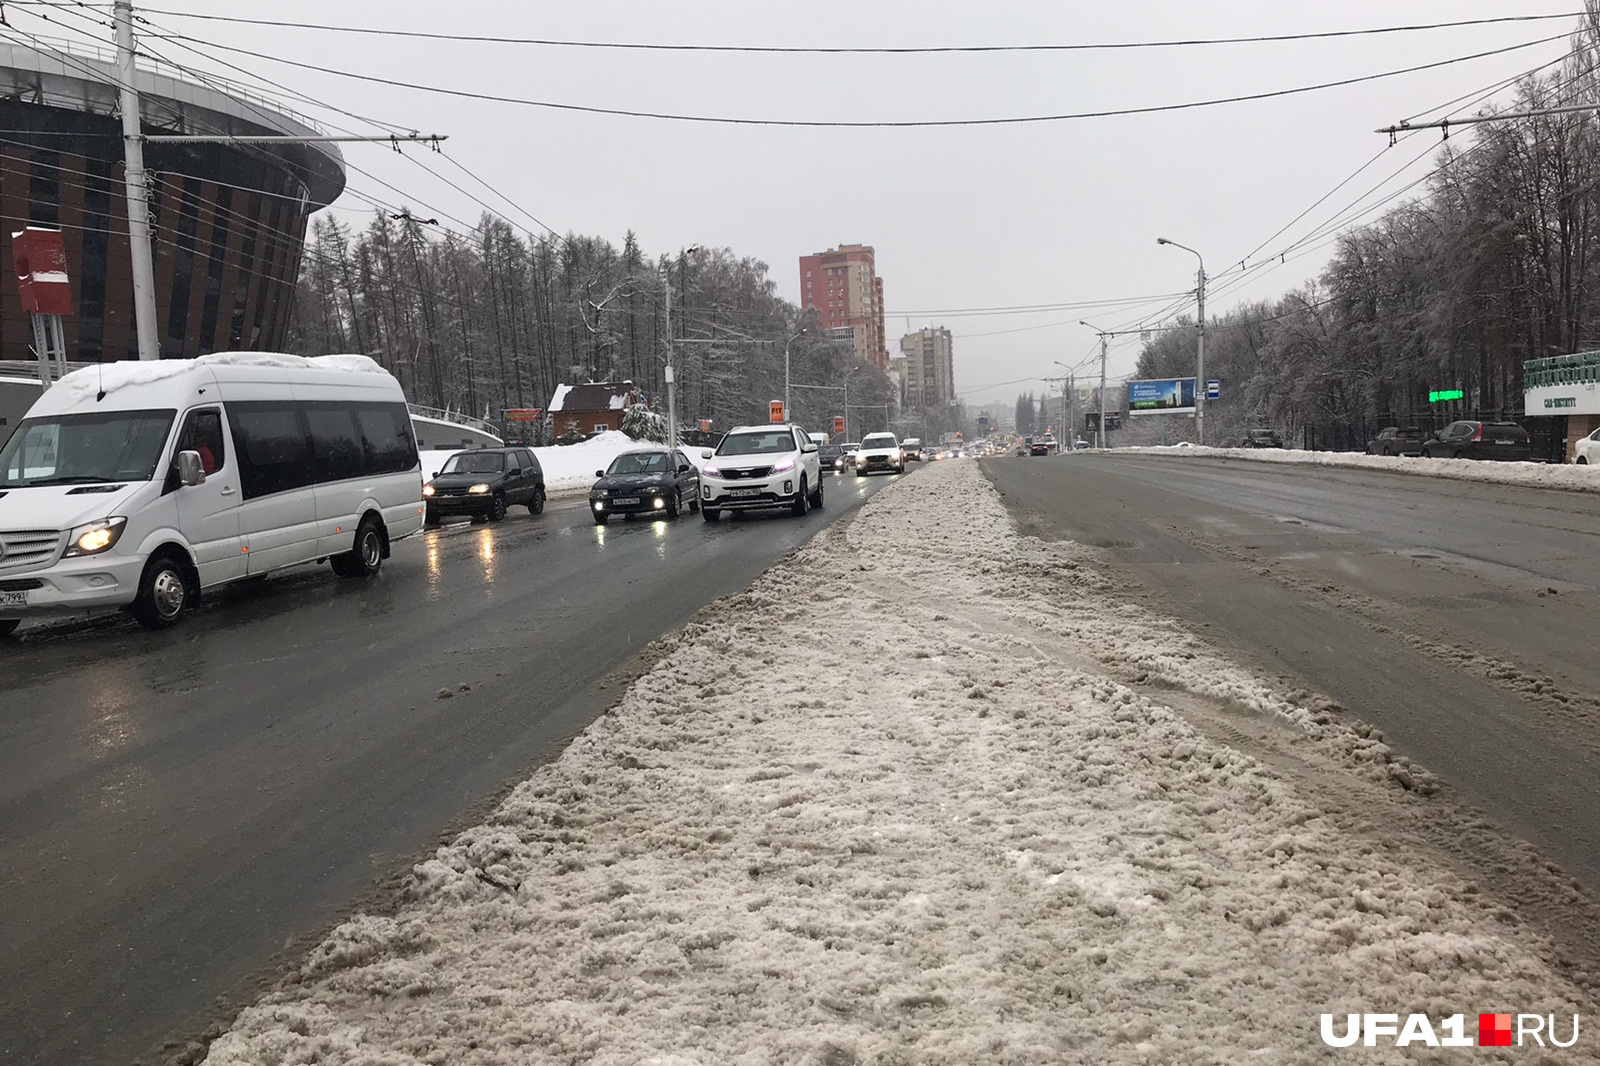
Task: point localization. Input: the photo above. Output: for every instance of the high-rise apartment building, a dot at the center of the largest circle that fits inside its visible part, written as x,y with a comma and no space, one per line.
927,365
843,287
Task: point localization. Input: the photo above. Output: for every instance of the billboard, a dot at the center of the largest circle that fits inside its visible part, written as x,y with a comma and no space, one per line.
1161,396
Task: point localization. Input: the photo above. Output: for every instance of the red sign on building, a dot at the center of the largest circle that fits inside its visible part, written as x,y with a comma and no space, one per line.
40,258
524,414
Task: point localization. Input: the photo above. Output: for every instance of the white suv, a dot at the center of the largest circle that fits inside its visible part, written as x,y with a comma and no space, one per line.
879,451
761,466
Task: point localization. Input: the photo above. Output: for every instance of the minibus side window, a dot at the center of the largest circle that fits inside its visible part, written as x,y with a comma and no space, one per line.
387,429
341,453
202,432
273,448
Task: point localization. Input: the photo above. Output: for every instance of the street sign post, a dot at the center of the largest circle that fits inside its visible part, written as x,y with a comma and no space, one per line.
1213,390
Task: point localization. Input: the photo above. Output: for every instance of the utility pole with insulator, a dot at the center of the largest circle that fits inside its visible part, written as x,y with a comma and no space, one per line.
136,181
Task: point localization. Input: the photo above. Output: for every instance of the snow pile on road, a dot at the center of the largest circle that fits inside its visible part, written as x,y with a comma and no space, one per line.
893,805
1536,475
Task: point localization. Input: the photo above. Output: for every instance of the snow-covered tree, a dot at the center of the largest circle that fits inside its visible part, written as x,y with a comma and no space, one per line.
641,423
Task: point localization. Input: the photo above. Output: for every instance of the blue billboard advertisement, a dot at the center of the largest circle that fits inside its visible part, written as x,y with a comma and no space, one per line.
1163,396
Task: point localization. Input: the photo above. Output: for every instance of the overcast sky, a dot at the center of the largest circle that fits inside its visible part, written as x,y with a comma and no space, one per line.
970,217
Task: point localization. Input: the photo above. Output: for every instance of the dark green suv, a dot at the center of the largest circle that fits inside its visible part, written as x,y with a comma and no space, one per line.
483,483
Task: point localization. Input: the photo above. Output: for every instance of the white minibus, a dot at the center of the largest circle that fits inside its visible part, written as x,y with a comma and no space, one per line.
139,485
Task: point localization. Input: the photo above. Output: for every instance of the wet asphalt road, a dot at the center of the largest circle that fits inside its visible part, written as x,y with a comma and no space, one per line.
176,808
1463,619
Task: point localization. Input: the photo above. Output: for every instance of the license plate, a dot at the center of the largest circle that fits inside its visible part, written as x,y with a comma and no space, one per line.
625,499
745,492
1505,442
13,599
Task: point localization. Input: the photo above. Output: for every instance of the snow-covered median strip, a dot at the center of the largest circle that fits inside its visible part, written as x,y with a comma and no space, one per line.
1535,475
892,805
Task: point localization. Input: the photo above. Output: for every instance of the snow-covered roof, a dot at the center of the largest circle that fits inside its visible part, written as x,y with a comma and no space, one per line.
595,396
109,377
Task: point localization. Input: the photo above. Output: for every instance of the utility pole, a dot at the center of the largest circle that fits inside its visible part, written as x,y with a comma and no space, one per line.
1101,429
144,272
672,388
1200,357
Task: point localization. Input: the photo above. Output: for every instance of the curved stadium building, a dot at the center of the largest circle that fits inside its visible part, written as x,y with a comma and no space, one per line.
228,221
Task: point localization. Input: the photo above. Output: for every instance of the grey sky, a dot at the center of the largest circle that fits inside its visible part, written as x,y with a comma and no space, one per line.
960,217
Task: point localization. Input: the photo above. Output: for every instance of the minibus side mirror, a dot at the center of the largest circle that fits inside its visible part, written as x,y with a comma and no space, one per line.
191,471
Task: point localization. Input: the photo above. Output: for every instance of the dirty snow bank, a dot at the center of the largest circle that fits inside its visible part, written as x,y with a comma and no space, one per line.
808,836
1534,475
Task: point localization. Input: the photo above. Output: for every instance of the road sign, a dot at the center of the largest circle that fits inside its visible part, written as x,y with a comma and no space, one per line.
1213,390
705,425
838,424
524,414
775,412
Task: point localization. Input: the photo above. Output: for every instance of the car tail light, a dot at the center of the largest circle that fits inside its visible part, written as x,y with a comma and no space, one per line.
1477,434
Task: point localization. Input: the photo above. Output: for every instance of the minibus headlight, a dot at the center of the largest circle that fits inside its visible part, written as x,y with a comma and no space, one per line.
95,537
479,489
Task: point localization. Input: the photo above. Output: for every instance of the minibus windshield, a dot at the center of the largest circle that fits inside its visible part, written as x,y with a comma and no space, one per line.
86,449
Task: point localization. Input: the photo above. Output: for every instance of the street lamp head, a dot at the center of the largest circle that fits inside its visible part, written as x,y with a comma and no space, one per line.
693,248
1162,240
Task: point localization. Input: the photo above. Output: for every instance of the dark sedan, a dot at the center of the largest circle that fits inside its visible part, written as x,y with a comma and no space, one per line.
1397,440
483,483
647,480
1480,440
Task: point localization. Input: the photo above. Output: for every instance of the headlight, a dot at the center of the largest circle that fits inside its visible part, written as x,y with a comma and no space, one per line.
427,490
711,471
95,537
787,464
479,489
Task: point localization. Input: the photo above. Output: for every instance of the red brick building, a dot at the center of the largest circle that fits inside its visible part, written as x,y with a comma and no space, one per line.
843,287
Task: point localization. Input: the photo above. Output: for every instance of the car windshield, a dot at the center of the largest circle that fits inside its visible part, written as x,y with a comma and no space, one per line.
883,441
830,451
639,463
757,443
475,463
85,449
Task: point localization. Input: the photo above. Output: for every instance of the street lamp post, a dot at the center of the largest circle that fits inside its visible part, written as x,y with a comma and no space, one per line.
671,371
787,413
1200,357
1100,430
1069,401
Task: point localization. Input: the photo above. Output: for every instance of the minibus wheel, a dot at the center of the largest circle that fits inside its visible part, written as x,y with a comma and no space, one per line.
366,557
163,597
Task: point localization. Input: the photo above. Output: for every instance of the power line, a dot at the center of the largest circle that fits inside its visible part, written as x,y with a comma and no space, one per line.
866,124
851,50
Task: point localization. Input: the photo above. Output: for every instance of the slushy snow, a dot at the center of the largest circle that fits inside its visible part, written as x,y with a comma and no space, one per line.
898,803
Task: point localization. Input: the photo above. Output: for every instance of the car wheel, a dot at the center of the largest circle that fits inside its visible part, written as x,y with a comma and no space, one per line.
860,472
9,626
600,518
802,500
710,514
163,597
497,507
365,558
694,504
674,505
536,505
1458,454
1583,461
816,497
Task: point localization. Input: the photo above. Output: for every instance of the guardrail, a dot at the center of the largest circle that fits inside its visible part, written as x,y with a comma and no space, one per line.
456,417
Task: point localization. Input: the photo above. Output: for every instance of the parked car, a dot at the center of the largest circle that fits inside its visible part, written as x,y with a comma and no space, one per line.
483,483
140,486
1588,450
1079,445
1261,438
1397,440
1050,445
645,480
831,456
761,466
880,453
911,448
1480,440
